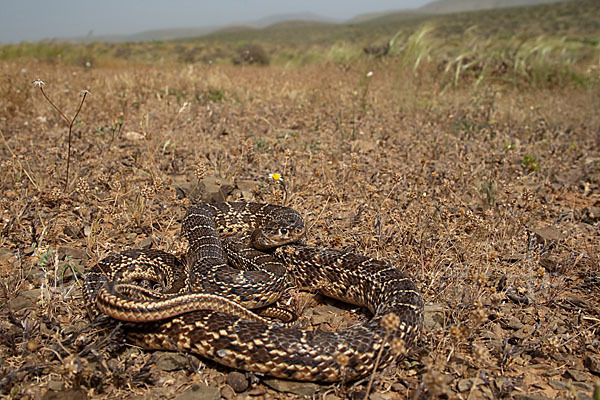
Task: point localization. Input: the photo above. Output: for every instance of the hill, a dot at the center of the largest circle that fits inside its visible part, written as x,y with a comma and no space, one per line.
308,18
453,6
581,17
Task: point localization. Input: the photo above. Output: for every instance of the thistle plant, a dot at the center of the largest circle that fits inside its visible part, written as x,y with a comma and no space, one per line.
40,83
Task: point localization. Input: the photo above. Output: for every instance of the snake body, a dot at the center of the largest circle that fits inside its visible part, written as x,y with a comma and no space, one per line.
182,305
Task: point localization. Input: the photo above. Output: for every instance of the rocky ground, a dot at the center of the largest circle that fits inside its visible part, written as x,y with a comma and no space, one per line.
488,198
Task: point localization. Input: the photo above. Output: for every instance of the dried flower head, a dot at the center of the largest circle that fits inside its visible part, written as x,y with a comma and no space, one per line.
82,186
399,347
200,171
390,322
158,185
147,192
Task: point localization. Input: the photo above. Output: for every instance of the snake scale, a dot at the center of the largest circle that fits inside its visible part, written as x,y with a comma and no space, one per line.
241,256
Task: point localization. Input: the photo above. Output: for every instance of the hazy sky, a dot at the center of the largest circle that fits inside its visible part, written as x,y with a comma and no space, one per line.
32,20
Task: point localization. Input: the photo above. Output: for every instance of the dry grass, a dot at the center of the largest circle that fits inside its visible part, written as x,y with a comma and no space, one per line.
485,196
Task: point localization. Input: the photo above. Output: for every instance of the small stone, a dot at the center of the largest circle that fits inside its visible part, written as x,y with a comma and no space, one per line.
592,364
237,381
583,386
433,317
558,385
245,185
167,361
591,214
517,298
357,395
74,231
56,385
133,136
214,189
5,253
464,384
227,393
145,243
256,391
548,234
550,263
71,252
26,299
200,391
552,372
578,376
530,397
307,389
383,396
70,394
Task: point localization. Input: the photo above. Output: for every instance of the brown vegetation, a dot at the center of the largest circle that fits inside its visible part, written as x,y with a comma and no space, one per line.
488,196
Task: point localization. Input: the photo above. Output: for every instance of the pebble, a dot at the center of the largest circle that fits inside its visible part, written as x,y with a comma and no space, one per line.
576,375
513,323
167,361
237,381
200,391
26,299
592,364
70,394
464,384
227,393
433,317
591,214
214,189
73,231
384,396
299,388
133,136
558,385
72,252
145,243
256,391
530,397
548,234
5,253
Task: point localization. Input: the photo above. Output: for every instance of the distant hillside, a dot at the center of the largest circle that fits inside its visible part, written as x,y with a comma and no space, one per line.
183,33
449,7
400,14
278,18
580,17
310,27
145,36
453,6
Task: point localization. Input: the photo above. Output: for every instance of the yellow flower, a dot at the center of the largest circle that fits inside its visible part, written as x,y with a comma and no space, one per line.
276,177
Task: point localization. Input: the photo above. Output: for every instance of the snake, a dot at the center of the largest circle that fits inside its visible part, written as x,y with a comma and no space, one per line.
215,300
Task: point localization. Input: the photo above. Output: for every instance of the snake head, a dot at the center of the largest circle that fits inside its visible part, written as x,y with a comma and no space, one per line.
282,230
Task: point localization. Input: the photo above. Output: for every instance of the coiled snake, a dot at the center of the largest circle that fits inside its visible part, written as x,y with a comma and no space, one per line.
201,304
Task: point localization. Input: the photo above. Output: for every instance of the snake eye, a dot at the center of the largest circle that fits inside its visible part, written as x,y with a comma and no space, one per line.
283,231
